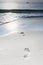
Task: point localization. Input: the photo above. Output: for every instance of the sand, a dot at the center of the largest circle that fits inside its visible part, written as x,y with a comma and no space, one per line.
22,48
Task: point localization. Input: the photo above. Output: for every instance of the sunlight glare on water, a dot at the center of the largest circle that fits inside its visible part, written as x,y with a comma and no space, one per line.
14,22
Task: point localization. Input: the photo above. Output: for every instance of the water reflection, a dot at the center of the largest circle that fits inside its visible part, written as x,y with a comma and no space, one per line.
12,22
12,26
8,23
7,17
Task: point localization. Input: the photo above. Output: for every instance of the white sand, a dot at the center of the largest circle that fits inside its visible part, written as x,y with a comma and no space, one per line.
12,49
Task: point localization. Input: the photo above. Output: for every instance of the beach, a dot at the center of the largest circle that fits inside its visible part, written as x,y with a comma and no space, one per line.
21,40
12,48
21,33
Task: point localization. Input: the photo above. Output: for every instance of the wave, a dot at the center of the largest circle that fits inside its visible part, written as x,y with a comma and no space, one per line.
12,17
31,15
24,13
21,11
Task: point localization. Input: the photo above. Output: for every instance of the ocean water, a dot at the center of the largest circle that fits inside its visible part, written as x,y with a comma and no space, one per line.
31,20
21,5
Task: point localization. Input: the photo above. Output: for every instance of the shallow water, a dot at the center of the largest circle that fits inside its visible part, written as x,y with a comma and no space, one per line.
13,22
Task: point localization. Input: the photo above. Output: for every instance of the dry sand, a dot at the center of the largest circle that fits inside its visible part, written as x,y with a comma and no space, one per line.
22,48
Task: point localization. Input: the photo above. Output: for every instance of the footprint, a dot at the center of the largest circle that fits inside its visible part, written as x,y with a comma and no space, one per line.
22,33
